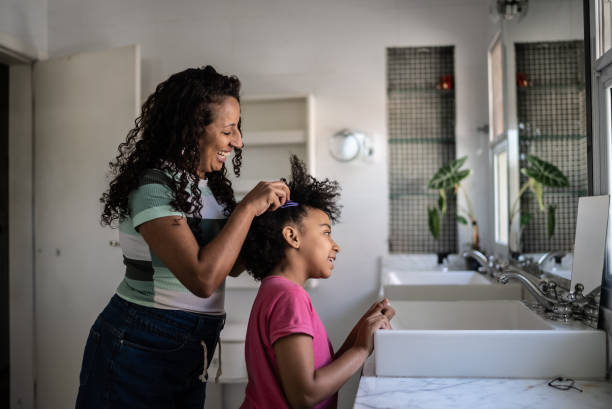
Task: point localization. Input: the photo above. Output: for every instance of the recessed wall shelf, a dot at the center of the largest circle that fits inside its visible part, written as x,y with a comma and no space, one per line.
273,127
550,137
286,137
421,138
552,110
436,91
446,141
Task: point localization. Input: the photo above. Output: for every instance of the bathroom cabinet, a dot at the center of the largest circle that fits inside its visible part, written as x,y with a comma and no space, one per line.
273,127
232,355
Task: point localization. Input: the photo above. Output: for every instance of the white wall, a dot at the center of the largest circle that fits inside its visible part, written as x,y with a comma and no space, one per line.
23,26
332,49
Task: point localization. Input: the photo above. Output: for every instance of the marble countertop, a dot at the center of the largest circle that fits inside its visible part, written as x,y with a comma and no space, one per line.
481,393
476,393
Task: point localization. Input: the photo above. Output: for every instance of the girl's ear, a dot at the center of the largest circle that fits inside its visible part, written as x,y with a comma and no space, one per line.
291,236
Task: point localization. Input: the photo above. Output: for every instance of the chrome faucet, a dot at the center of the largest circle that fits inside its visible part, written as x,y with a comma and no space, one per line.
487,265
542,260
558,303
511,272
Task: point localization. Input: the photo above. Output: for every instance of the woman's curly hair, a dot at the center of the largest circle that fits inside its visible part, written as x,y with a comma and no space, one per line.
264,247
165,137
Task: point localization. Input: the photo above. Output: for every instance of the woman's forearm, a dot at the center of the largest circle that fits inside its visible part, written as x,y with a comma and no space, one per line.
217,259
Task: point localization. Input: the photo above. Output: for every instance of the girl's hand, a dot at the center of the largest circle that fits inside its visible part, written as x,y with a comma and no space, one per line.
266,196
377,317
383,306
387,310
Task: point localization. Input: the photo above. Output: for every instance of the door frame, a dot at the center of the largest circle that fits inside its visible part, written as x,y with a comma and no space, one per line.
21,234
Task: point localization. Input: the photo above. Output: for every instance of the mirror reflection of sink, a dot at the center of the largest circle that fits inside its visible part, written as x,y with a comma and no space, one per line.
446,286
485,339
435,278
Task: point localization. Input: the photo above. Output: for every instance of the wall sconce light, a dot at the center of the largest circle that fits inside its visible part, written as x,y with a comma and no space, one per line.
348,145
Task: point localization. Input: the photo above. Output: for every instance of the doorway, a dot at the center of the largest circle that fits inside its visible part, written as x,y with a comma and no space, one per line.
4,239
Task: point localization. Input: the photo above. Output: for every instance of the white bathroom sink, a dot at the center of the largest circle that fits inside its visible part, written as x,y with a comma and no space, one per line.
445,286
435,278
485,339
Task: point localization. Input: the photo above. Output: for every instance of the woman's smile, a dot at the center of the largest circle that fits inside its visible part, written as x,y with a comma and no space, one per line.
221,136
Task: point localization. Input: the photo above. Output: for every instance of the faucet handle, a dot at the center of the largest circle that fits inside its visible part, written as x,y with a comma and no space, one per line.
578,289
576,295
549,288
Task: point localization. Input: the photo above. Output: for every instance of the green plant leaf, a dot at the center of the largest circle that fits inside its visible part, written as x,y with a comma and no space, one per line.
449,175
551,220
536,188
433,219
462,220
525,219
457,163
462,174
442,201
545,172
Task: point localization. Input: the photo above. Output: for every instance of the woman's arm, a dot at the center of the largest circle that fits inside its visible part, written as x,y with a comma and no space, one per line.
202,270
302,384
238,268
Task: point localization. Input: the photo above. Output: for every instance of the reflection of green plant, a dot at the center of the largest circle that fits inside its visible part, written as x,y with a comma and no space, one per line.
540,173
448,178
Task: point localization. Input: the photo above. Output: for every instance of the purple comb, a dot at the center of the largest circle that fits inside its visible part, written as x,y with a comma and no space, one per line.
289,203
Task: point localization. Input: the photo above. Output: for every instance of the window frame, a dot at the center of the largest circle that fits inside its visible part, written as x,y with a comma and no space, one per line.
601,97
499,148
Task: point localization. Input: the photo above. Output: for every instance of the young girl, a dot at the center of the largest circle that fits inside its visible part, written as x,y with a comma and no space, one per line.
290,360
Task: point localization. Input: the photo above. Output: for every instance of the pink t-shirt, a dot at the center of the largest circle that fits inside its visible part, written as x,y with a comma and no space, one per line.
281,308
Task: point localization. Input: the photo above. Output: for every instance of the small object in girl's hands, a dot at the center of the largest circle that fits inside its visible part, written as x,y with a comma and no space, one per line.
289,203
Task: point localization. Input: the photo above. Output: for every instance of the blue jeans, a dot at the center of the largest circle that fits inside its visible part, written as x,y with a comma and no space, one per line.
141,357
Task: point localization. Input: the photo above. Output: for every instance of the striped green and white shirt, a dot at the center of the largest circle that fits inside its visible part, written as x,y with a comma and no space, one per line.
147,280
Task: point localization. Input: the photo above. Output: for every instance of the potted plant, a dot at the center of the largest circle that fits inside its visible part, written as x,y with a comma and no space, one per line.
539,174
446,180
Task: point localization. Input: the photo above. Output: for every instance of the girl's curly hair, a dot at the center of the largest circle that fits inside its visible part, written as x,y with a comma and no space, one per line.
165,137
264,246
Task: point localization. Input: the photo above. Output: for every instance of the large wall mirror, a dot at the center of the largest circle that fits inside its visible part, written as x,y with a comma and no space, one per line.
545,118
529,167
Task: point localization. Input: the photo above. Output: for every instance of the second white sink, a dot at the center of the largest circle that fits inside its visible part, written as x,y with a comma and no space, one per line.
435,278
445,286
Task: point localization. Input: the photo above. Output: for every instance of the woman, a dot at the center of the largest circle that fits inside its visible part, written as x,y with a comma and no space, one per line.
152,344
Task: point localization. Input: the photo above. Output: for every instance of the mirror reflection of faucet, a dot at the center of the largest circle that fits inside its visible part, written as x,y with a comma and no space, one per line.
488,265
550,255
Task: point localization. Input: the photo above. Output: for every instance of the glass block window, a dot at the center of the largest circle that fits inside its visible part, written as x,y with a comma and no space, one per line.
421,125
551,107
